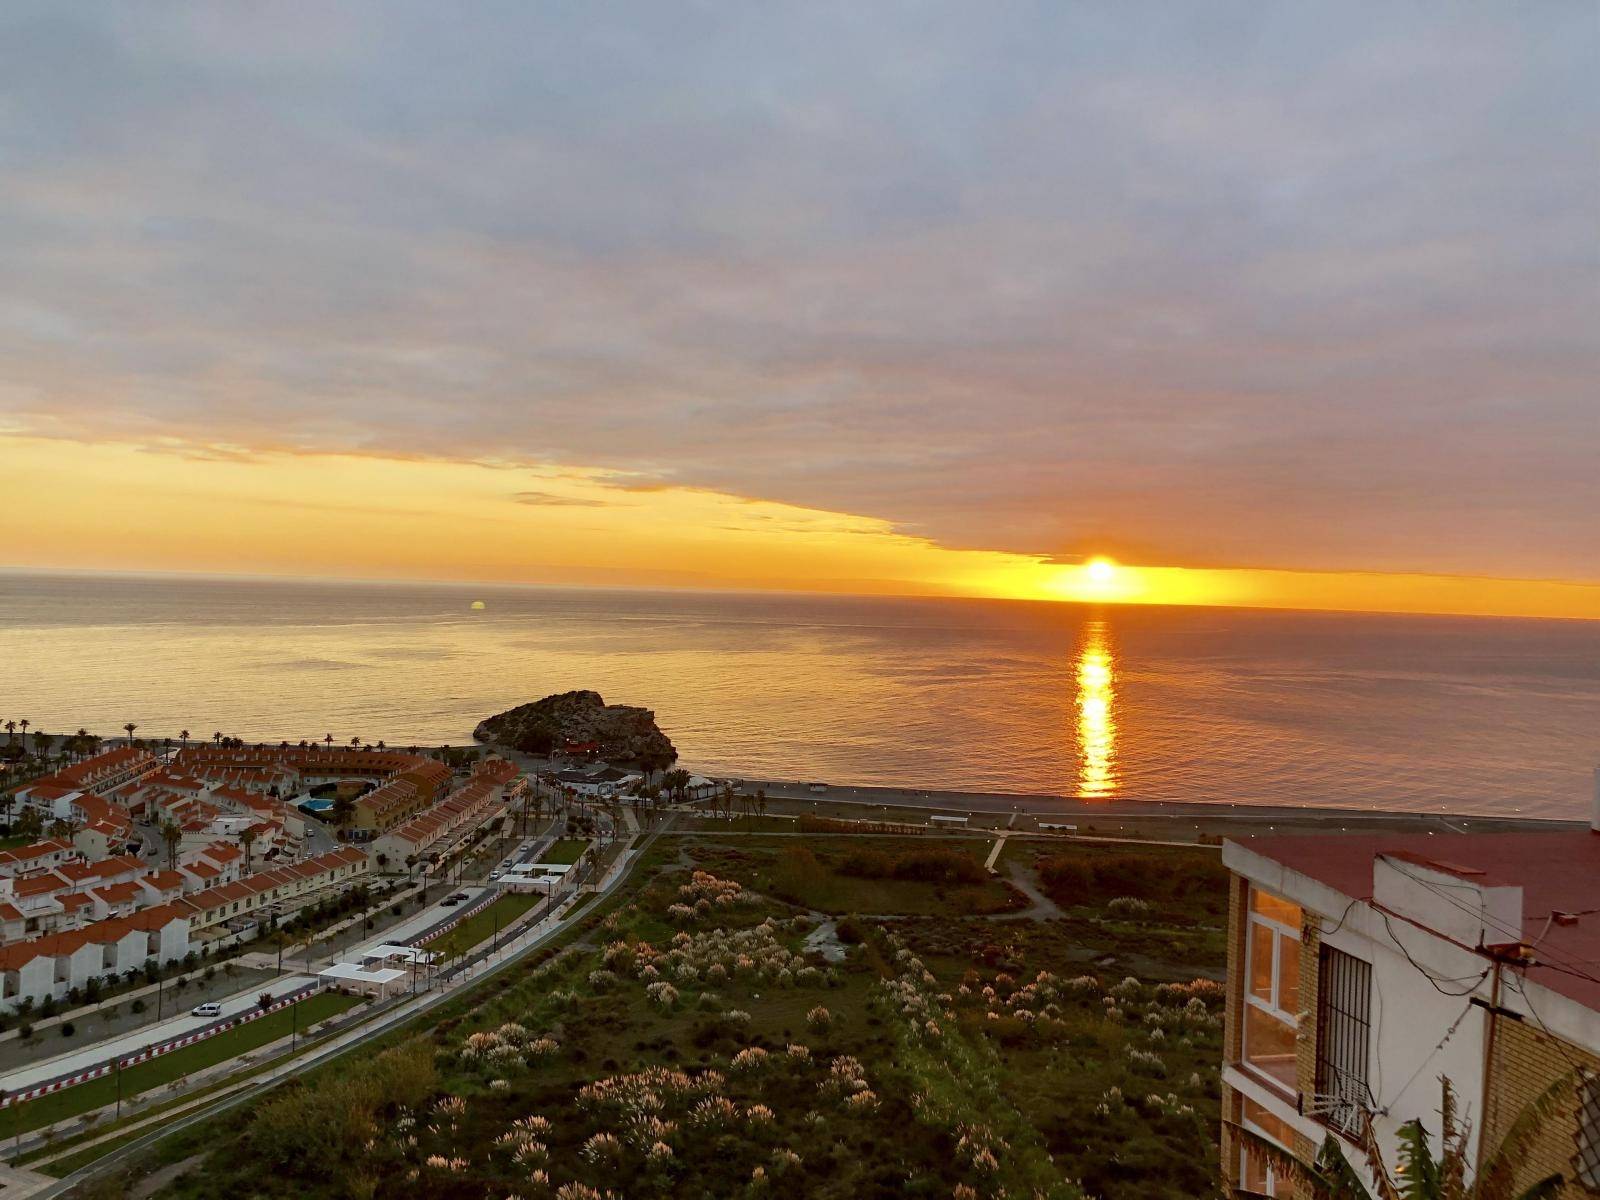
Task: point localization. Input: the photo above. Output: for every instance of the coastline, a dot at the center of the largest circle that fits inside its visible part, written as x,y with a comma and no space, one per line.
1179,820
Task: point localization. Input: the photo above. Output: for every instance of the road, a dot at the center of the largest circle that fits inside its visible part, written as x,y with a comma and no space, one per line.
511,953
131,1043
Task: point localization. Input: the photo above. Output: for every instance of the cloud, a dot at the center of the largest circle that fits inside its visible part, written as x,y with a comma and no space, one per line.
550,498
1304,287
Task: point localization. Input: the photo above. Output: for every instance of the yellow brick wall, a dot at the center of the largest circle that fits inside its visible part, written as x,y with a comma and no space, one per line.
1305,1046
1233,1027
1230,1140
1526,1062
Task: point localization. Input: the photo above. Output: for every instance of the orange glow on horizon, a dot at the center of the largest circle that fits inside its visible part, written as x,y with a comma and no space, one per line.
120,506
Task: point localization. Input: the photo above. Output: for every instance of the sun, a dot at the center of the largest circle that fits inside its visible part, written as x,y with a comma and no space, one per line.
1101,570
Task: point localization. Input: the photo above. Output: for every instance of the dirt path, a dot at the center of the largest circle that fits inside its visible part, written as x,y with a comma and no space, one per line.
1026,881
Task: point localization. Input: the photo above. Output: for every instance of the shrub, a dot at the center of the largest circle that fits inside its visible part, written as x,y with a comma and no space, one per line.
68,1029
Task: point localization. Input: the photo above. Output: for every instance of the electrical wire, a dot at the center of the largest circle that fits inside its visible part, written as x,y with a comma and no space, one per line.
1448,1034
1555,962
1428,975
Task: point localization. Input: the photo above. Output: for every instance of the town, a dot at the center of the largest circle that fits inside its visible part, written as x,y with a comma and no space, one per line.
1352,981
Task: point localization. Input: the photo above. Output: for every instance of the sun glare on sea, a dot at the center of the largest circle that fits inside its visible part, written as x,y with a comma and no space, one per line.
1097,725
1100,570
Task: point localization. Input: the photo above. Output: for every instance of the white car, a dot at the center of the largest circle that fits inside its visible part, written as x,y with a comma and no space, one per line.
209,1009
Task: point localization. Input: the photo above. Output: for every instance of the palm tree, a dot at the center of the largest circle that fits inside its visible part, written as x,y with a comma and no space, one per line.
11,731
329,741
24,723
183,737
217,737
130,727
171,835
354,742
248,840
381,746
1422,1175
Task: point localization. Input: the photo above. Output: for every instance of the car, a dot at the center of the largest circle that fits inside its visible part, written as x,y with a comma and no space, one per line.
450,902
495,874
459,896
209,1009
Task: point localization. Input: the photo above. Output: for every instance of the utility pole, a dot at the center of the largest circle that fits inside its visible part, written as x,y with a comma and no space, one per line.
119,1089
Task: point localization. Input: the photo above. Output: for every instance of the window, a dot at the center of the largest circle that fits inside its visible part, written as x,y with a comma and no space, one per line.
1586,1163
1272,991
1344,1024
1257,1175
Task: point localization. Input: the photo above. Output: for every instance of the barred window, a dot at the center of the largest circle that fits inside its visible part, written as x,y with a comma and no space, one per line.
1344,1030
1586,1163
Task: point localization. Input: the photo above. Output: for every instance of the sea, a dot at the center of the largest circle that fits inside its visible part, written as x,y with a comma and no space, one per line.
1433,714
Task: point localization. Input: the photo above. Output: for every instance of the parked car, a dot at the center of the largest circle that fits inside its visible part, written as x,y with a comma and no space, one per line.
495,874
459,896
450,901
209,1009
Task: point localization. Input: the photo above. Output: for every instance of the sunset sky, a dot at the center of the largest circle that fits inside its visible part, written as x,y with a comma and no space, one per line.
1283,305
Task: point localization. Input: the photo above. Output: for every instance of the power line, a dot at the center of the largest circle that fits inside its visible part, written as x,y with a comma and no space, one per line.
1555,962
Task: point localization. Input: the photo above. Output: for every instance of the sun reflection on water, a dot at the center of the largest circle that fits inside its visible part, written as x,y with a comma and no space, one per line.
1097,724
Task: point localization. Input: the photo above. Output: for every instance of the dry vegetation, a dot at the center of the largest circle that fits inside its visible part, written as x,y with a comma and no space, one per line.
711,1036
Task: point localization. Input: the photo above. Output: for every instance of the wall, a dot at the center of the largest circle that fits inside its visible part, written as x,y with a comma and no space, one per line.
1527,1061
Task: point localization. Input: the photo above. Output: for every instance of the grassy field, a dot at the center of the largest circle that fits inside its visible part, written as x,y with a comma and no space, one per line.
12,841
578,905
696,1041
156,1072
817,874
565,852
481,926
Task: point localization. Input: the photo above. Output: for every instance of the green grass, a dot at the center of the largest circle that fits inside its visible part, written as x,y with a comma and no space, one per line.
498,915
767,865
62,1167
565,852
156,1072
579,903
14,840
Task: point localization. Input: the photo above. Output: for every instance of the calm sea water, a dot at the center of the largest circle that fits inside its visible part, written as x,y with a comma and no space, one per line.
1487,716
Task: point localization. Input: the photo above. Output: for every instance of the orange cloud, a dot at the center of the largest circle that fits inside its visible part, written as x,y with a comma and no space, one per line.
109,505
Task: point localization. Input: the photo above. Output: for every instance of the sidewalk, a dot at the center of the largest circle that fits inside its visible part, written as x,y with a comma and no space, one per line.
371,1023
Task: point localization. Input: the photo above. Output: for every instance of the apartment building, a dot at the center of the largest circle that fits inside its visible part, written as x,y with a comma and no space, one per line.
1363,969
462,808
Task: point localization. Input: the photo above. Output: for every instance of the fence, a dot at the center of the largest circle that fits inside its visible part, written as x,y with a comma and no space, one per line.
156,1049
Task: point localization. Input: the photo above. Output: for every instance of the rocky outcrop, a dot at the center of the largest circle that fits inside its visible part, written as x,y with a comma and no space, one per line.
621,732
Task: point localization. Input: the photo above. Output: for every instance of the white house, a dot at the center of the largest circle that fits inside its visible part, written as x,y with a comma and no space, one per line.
1363,968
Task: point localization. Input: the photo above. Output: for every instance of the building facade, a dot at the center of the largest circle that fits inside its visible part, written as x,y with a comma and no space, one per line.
1364,970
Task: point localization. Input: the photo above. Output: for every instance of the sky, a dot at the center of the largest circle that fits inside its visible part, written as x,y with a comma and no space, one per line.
1287,305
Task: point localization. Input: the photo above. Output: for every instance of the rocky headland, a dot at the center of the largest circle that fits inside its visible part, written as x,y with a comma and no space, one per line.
621,732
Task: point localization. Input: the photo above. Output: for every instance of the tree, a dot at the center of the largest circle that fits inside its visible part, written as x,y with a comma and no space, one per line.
343,811
676,782
183,739
1421,1174
171,835
248,840
11,732
24,723
130,727
217,737
329,740
29,825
